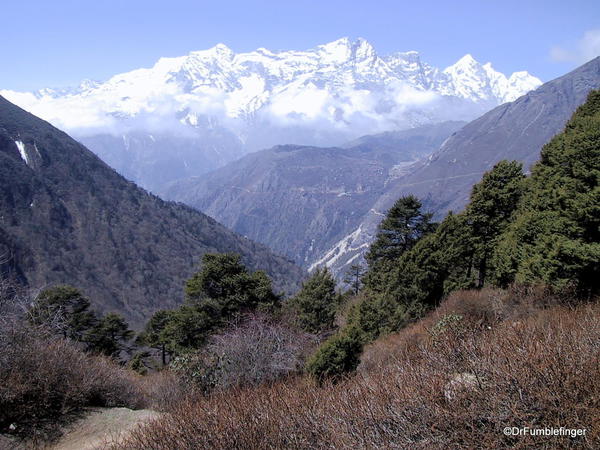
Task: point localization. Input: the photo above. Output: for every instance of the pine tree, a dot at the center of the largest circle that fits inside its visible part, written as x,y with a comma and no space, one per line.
110,335
65,310
154,333
493,202
402,227
225,281
354,276
222,289
317,302
556,235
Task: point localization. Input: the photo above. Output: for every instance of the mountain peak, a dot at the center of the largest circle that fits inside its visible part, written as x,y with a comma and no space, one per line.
466,61
343,50
325,82
362,49
336,51
219,50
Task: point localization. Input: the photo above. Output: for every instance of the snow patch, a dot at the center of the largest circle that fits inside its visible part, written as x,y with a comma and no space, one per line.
22,151
343,247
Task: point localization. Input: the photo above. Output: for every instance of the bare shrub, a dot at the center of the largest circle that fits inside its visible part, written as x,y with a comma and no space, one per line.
457,390
44,379
257,350
163,390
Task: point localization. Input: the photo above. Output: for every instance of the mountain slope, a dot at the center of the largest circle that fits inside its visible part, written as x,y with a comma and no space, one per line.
299,200
197,112
514,131
66,217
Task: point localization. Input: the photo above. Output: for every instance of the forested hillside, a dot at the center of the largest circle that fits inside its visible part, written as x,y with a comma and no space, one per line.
541,229
66,217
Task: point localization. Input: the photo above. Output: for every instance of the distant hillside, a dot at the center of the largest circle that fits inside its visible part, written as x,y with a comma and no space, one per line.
66,217
514,131
300,200
247,195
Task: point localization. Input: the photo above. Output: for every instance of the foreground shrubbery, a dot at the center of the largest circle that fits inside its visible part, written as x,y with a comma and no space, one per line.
483,361
257,350
45,378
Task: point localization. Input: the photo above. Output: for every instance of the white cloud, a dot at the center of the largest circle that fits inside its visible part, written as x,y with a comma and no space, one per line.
587,48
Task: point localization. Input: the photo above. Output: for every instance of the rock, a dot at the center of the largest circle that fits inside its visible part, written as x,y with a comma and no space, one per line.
460,383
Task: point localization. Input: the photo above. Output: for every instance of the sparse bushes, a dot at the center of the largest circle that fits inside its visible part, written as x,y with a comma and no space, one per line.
43,379
257,351
458,390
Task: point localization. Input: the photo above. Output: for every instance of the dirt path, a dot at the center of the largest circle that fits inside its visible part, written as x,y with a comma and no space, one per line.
102,425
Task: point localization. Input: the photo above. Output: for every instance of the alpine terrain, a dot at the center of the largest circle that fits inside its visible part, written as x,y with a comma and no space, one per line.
187,115
301,199
255,195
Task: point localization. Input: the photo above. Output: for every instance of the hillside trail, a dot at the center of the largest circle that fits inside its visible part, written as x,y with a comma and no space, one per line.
97,428
101,426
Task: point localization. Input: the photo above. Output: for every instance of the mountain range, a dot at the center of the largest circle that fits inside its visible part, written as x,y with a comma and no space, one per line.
188,115
255,195
67,217
301,199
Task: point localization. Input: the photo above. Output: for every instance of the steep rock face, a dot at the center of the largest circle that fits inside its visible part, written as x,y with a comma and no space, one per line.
190,114
66,217
300,200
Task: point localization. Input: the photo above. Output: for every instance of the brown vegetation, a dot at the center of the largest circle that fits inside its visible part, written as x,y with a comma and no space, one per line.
483,361
45,379
257,349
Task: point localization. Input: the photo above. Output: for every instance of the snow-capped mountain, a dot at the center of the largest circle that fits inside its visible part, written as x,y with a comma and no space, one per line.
323,96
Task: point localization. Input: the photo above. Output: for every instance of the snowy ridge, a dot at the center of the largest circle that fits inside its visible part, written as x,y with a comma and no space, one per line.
343,84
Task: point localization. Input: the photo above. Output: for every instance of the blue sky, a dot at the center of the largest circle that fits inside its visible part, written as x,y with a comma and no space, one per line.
58,43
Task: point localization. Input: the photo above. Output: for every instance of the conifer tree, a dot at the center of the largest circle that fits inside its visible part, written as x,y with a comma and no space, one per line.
154,333
65,310
493,202
353,277
317,302
110,335
555,237
217,293
403,225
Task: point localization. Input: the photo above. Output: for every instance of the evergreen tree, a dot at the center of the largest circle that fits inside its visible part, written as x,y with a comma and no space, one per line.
65,310
222,289
225,281
399,231
154,334
110,335
354,276
317,302
189,325
338,356
493,202
556,235
403,226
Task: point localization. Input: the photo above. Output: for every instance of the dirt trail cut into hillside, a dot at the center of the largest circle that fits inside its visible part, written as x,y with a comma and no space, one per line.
101,426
